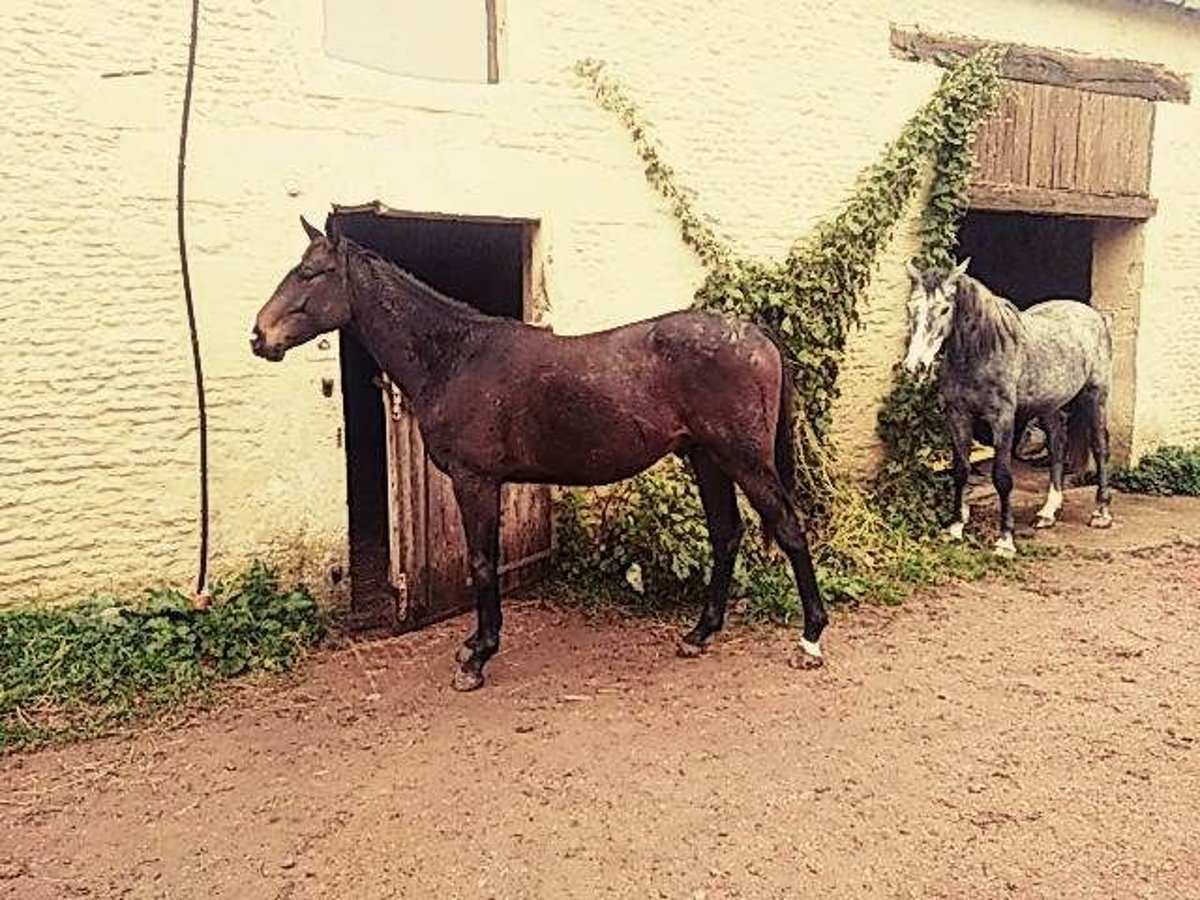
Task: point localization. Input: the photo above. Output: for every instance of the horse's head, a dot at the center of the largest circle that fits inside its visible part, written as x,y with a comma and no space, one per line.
312,299
930,312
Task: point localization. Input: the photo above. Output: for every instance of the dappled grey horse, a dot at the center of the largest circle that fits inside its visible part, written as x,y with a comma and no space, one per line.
1002,368
499,401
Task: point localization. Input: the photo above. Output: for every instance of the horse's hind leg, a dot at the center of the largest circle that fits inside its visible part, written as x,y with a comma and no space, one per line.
725,531
1095,404
1056,440
766,494
479,504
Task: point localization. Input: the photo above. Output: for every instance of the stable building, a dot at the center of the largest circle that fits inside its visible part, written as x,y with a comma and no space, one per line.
456,139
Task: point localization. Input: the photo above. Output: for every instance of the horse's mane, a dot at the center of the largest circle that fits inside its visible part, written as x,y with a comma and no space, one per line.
984,323
376,261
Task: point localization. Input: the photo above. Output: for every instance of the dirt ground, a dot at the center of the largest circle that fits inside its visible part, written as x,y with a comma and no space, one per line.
1034,737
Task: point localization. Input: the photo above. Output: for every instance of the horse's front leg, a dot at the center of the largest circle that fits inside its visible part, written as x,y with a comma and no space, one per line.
959,424
1002,435
479,504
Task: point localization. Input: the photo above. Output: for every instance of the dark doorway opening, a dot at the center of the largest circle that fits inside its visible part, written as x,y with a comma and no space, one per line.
1029,258
481,262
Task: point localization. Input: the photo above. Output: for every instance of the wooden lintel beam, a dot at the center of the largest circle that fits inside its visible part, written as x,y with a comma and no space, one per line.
1041,65
1047,201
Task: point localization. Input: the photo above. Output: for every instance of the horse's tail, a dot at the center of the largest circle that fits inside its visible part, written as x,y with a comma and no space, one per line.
1079,435
785,434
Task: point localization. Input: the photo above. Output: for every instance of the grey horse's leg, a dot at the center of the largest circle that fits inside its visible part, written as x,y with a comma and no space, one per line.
1056,439
1095,401
959,425
1002,436
479,503
725,530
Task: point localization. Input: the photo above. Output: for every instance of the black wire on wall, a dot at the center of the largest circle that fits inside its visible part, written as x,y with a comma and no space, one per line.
201,408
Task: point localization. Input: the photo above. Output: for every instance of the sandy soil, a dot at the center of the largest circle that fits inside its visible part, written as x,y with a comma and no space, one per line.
1037,737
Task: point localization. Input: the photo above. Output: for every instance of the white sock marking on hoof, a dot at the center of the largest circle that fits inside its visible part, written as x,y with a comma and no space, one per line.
812,649
1004,546
1054,502
1101,518
954,532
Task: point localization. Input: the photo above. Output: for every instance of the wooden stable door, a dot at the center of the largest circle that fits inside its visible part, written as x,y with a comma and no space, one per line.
427,549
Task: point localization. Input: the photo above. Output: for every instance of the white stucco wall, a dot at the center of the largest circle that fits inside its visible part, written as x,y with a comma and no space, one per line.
768,110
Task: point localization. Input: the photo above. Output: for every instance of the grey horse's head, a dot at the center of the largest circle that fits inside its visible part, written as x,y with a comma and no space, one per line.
930,313
311,299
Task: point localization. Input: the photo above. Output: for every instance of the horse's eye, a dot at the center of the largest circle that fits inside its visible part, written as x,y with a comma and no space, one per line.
308,274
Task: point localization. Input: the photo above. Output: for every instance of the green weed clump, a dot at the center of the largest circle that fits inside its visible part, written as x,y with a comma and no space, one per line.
80,670
1169,470
642,545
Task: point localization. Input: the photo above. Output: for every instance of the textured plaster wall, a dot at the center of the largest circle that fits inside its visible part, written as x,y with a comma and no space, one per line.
767,109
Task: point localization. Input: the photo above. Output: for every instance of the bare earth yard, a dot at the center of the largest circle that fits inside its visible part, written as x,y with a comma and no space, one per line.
1037,737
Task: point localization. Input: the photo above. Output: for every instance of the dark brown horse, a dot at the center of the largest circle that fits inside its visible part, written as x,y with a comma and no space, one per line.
499,401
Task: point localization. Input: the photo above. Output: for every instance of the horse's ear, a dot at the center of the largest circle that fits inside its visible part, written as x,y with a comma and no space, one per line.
913,272
959,271
311,230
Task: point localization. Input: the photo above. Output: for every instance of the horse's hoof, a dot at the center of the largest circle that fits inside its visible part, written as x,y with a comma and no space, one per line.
688,650
465,680
805,661
1101,518
1004,548
807,656
952,532
1043,521
464,653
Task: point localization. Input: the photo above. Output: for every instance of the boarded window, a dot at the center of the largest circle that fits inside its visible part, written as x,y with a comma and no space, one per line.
449,40
1065,150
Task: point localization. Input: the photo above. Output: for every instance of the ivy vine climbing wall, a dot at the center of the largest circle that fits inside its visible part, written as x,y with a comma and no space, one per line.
647,535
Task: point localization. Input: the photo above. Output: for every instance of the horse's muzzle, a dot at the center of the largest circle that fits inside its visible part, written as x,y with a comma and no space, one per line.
260,347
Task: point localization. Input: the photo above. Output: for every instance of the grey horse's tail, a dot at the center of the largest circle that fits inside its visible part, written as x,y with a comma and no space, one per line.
1081,424
1079,435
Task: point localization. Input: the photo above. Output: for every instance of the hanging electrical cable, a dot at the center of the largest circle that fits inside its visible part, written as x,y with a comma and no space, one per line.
201,408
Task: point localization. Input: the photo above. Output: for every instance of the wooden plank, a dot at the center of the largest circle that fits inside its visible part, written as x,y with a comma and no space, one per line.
446,550
1020,137
1064,113
417,556
1139,141
1011,198
1041,65
1044,128
1140,163
525,535
394,452
990,144
1116,131
401,537
1089,160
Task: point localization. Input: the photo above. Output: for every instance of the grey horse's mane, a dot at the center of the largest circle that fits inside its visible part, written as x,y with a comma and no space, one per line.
984,323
